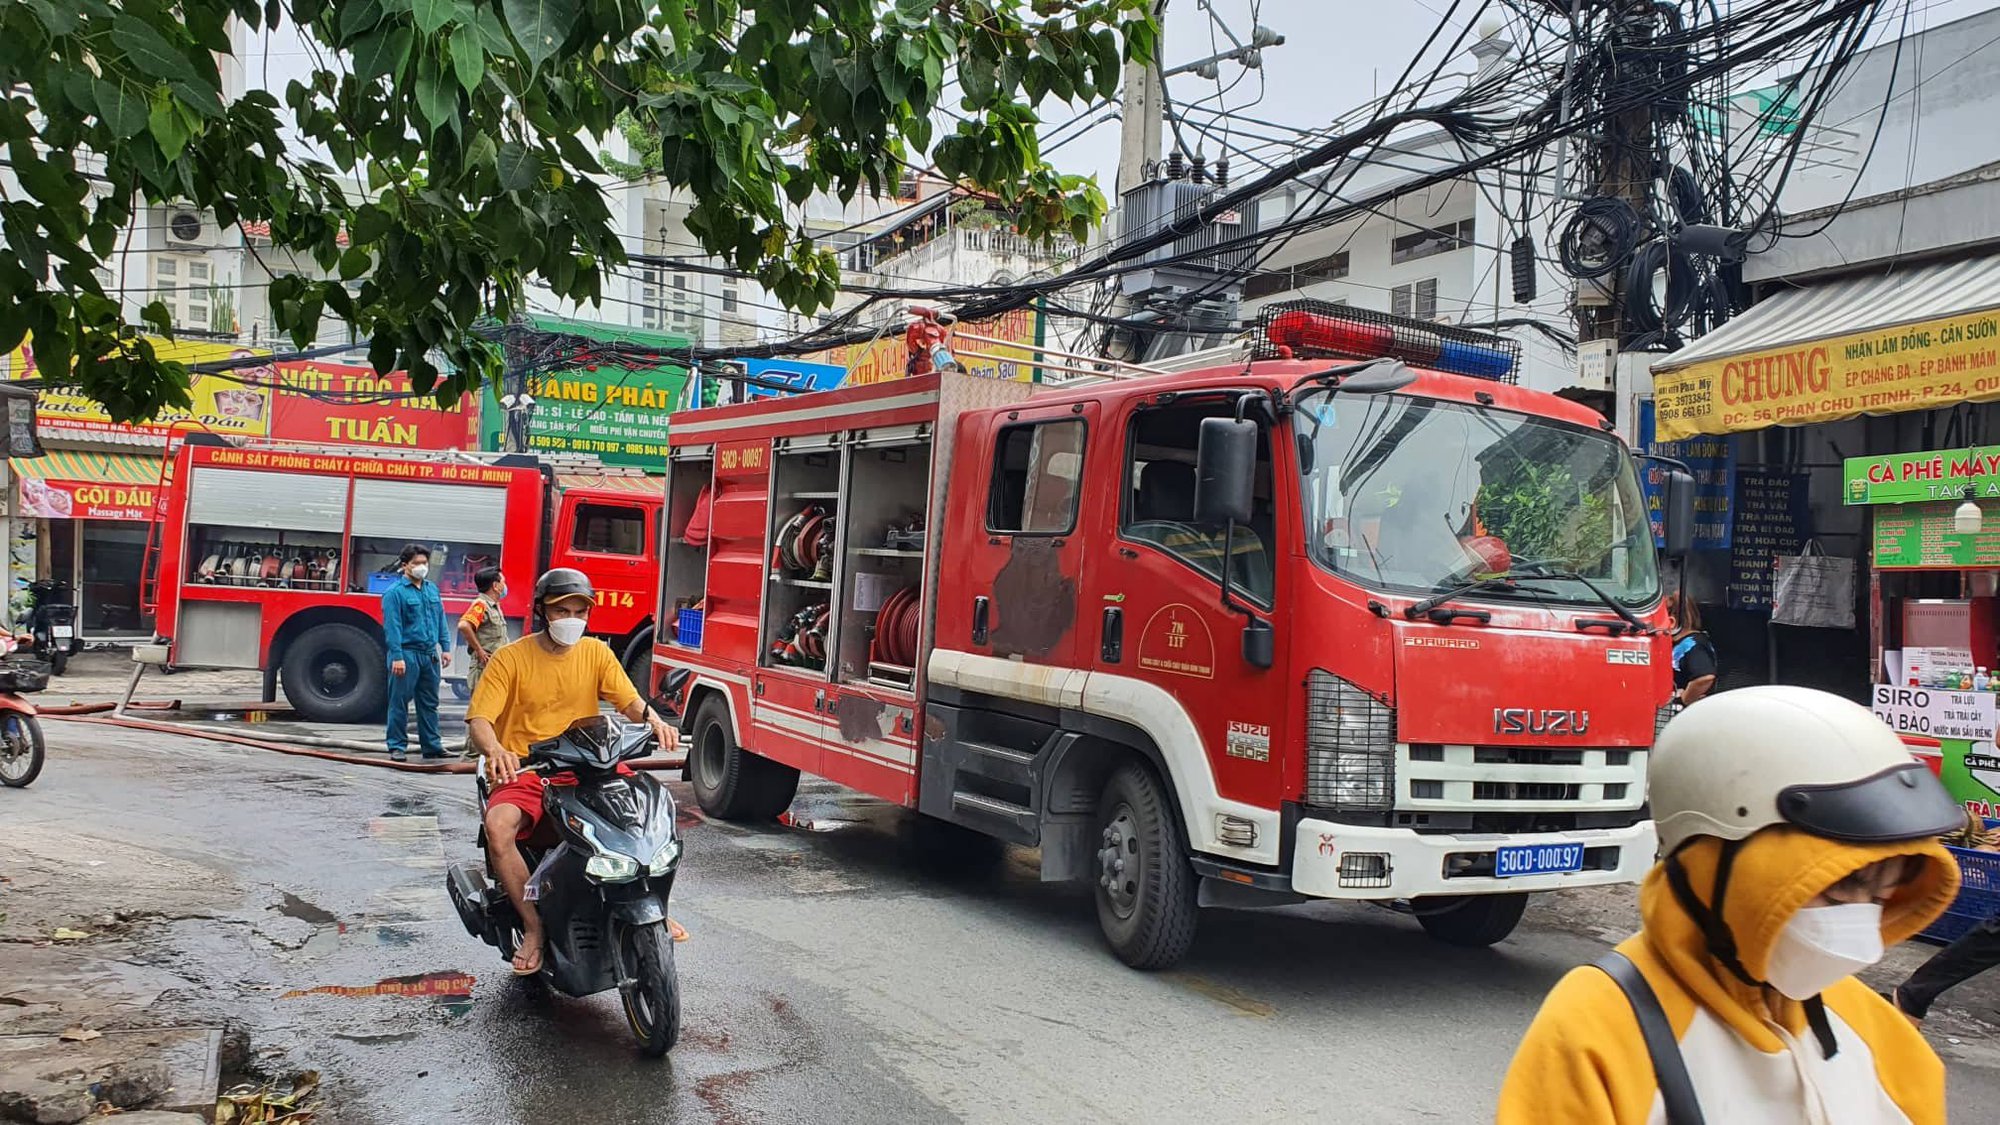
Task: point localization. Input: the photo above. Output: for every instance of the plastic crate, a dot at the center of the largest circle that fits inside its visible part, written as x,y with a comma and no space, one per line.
1978,896
687,628
380,583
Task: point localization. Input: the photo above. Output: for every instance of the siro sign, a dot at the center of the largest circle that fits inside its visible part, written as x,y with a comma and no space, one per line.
1906,478
1929,713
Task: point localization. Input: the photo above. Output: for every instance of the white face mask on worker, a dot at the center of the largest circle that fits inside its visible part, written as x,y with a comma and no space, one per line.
1823,944
566,632
420,571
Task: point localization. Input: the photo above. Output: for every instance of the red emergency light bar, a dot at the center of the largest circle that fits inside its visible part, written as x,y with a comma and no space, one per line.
1368,336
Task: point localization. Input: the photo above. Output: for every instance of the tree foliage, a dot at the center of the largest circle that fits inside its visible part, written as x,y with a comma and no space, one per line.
462,137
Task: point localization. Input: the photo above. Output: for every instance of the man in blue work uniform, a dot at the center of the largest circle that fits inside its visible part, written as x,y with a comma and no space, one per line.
419,646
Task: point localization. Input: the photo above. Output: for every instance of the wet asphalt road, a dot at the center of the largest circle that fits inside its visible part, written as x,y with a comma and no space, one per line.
830,975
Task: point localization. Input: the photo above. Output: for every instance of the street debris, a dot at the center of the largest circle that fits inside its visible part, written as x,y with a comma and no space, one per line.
64,933
294,1104
80,1035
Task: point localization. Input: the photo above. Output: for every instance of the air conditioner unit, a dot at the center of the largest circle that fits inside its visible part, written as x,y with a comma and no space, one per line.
188,228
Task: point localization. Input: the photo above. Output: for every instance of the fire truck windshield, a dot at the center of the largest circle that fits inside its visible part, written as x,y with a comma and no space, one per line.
1418,495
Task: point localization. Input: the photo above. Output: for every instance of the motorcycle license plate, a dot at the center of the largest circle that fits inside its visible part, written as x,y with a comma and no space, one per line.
1537,859
63,632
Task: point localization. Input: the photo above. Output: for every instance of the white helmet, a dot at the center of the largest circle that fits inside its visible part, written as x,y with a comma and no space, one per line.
1742,760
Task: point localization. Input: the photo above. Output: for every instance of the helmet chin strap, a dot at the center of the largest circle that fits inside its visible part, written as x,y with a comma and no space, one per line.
1722,942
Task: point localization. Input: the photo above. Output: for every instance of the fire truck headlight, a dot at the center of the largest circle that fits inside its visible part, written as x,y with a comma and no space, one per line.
1350,746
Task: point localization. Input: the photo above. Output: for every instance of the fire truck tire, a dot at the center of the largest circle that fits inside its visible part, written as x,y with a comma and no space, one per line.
1145,890
731,783
335,673
1471,921
639,662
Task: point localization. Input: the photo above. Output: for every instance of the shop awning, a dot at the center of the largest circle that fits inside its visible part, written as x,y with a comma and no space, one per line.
70,484
1905,339
95,468
651,486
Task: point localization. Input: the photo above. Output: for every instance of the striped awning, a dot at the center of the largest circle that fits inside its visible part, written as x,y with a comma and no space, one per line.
1862,304
650,486
97,468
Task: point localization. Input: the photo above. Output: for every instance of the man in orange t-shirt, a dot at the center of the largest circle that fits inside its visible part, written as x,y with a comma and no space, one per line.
533,690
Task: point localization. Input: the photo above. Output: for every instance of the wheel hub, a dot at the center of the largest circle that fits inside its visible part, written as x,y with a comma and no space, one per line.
1118,861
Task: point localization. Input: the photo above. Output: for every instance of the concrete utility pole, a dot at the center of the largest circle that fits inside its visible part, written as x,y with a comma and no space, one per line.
1624,161
1141,119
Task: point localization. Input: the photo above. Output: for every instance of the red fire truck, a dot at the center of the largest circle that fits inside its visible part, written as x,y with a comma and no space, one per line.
1296,627
274,555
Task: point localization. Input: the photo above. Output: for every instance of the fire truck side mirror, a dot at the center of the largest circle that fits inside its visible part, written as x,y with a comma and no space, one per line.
1678,515
1225,467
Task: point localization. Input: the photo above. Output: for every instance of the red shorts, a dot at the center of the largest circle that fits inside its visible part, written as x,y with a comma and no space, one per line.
525,793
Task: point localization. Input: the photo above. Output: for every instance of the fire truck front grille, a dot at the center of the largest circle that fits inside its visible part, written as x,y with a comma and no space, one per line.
1524,779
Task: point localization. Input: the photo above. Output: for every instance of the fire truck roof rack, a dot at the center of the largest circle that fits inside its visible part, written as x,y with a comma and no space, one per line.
1076,367
559,461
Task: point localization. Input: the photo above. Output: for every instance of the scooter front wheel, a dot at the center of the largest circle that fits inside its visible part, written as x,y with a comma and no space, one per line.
653,1002
21,749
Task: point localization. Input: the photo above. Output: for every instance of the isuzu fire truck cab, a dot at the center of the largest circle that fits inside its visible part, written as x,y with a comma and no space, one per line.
1298,627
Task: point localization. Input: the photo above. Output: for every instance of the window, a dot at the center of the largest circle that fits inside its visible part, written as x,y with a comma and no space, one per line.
728,299
1418,299
1427,241
609,529
1159,484
182,284
1037,471
652,300
1333,267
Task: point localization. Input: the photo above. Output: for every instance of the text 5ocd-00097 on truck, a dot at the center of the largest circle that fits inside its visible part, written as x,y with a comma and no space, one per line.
1294,627
274,555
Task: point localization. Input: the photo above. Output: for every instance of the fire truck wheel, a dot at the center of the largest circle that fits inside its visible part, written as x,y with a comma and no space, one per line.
336,673
731,783
1145,887
1471,921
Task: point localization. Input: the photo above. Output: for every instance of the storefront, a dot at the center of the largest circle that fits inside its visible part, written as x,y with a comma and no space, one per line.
1850,418
81,518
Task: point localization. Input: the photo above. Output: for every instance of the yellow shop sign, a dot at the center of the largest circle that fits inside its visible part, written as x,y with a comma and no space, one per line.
1911,367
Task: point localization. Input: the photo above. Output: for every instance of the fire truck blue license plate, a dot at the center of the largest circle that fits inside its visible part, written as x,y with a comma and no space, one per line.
1537,859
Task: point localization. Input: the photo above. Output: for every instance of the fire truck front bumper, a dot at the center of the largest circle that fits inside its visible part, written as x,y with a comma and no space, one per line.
1353,861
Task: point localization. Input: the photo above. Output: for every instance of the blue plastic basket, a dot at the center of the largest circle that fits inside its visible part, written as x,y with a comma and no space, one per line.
380,583
1978,896
687,628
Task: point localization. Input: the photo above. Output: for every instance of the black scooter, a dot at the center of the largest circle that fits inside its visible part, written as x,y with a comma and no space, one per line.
52,622
602,862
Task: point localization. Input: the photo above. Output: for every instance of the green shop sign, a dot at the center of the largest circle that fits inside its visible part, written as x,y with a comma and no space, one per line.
1921,535
585,403
1908,478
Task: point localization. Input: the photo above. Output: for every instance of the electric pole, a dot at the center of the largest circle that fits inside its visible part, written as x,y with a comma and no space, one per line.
1140,113
1624,164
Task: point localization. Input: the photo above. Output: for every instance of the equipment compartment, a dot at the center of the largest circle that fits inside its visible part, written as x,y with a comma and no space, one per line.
881,594
687,530
804,551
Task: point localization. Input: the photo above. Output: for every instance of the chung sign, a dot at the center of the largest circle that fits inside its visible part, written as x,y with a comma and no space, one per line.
1916,478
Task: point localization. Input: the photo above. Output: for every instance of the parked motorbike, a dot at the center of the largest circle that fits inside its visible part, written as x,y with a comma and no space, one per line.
52,621
602,862
21,743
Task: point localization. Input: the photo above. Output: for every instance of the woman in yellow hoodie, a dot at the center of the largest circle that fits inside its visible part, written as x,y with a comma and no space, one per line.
1799,840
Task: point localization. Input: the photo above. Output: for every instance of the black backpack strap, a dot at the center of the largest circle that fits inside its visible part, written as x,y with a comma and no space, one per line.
1669,1070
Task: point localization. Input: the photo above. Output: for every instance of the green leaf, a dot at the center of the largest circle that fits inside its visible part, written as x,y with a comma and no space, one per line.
433,14
354,263
468,57
56,15
437,99
121,108
370,224
158,317
520,167
493,33
540,26
383,52
149,51
169,128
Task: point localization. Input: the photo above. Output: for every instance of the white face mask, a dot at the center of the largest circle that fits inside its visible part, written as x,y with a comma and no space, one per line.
1823,944
420,571
566,632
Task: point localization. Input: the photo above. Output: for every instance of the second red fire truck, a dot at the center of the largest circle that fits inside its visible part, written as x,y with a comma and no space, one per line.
1322,624
274,555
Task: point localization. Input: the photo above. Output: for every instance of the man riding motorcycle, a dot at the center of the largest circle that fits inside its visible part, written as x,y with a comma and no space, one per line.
533,690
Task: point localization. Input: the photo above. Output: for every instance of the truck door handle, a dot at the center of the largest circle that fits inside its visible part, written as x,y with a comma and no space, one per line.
1113,648
819,701
980,609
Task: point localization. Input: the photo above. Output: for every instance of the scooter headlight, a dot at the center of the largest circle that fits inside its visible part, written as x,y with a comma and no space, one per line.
610,867
664,859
